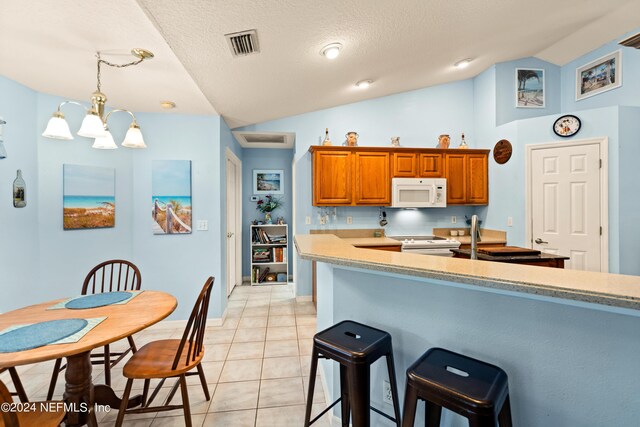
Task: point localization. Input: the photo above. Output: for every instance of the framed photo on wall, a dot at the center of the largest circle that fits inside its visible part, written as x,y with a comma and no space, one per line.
530,88
171,196
268,181
600,75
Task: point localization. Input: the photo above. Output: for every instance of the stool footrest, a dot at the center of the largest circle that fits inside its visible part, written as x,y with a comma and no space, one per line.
325,411
389,417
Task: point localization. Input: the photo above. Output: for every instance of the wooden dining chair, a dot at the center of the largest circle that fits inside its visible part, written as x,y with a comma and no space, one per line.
164,359
109,276
17,384
49,416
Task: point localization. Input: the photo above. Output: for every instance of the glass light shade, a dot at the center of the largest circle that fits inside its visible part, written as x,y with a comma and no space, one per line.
105,142
57,128
134,139
92,126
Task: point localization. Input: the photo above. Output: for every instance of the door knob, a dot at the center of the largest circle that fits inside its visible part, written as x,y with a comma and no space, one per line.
229,235
540,241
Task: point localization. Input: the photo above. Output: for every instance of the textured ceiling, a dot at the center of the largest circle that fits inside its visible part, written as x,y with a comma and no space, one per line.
400,44
50,46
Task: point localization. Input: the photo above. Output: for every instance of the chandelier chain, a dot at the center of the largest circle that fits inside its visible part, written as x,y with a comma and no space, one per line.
111,64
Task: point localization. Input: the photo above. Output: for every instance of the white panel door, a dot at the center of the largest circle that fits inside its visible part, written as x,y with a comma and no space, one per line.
232,259
566,204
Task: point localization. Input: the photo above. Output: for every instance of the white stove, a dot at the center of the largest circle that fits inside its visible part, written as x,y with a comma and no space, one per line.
427,245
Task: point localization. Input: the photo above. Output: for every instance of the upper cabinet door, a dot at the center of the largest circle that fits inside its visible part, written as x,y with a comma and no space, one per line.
431,165
478,179
373,180
405,165
456,174
332,178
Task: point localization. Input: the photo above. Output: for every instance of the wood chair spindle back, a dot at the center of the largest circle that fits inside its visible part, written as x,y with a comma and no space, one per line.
194,331
10,418
112,276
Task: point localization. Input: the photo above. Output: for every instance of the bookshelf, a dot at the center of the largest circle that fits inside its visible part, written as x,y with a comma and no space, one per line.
269,254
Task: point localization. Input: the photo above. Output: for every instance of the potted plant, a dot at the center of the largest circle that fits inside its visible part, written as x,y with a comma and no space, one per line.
268,205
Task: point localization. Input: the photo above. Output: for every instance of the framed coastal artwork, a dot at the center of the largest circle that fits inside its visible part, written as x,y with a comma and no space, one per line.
268,181
171,196
530,88
599,76
88,197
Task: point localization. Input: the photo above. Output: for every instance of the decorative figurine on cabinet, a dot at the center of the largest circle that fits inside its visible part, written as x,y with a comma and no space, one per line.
352,139
395,141
444,141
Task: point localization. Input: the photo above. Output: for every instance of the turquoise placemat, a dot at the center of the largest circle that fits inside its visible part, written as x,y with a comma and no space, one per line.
71,338
97,300
63,304
39,334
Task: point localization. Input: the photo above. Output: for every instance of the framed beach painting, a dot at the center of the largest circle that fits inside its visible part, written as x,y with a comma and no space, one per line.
599,76
530,88
88,197
268,181
171,196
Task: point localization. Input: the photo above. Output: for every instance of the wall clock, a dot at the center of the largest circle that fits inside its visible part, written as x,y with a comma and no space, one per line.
566,126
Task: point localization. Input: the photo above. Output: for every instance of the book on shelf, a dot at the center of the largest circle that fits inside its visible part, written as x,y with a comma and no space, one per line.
262,274
280,254
261,255
262,237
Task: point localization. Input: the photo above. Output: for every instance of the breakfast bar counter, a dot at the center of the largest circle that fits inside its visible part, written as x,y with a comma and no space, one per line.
568,340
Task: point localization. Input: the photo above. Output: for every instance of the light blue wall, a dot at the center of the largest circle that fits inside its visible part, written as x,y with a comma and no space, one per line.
628,94
40,261
561,358
629,211
180,264
417,117
18,227
263,158
505,94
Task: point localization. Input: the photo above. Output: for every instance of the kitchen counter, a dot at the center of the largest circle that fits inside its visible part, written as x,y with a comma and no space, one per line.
487,236
372,241
590,287
543,259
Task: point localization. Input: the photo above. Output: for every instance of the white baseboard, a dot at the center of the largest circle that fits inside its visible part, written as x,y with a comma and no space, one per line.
304,298
218,321
246,279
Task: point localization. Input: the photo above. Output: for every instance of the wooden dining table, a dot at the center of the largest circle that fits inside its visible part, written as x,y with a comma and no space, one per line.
122,320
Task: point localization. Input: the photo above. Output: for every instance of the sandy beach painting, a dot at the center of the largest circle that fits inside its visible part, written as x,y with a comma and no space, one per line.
171,196
529,88
599,76
268,181
89,197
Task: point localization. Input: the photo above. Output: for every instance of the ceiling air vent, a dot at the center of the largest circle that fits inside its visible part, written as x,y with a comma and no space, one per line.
243,43
633,41
249,139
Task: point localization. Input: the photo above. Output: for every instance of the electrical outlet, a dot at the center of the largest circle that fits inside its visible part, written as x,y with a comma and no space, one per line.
349,220
510,221
307,220
322,220
454,219
386,392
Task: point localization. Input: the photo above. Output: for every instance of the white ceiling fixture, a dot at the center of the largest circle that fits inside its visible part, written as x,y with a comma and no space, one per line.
463,63
265,139
95,124
364,84
331,51
168,105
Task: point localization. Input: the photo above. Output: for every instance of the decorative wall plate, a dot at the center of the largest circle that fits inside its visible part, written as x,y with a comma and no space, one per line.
502,151
567,125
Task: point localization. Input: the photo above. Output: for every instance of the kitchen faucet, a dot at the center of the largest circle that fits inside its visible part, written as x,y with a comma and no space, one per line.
475,236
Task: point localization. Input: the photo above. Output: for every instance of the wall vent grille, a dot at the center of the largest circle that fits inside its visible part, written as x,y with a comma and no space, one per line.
243,43
633,41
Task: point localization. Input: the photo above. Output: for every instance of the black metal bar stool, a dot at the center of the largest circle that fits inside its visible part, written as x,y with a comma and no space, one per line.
355,346
474,389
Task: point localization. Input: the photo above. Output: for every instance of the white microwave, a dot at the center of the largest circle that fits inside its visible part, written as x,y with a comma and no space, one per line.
419,193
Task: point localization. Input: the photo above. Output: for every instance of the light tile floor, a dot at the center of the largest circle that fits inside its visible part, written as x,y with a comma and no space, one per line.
256,365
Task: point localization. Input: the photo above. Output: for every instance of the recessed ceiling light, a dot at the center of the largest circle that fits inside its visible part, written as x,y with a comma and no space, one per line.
463,64
168,105
364,84
331,51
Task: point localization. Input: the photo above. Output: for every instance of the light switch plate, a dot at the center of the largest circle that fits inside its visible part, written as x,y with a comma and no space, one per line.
202,225
254,198
510,221
349,220
307,220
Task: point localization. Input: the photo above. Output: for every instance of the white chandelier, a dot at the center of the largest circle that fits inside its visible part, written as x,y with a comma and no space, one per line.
95,123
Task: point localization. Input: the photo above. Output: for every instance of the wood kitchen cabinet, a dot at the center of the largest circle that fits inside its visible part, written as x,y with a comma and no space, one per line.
373,181
467,177
361,176
332,178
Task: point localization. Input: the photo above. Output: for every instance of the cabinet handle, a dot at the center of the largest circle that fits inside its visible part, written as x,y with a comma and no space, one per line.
540,241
